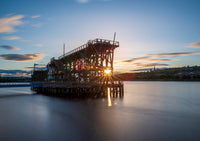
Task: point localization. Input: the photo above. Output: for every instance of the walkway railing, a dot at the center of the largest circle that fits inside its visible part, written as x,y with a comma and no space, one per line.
96,41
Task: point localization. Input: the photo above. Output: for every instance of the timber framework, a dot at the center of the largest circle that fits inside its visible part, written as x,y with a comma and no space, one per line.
84,71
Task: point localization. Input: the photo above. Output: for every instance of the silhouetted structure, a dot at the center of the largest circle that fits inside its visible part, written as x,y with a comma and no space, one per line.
85,70
39,75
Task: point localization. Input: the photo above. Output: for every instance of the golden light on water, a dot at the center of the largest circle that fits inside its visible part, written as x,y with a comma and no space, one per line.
109,100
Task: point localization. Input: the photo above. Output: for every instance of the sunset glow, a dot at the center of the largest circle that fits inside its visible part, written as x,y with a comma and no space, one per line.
107,71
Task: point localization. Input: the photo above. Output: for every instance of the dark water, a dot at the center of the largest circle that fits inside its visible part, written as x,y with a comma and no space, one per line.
149,111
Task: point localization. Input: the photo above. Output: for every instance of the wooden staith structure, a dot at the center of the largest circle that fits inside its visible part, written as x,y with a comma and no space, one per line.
86,69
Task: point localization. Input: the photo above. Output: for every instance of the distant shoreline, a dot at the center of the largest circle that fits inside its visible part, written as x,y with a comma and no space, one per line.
171,74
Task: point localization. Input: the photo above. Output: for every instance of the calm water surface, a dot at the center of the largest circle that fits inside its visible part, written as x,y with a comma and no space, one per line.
149,111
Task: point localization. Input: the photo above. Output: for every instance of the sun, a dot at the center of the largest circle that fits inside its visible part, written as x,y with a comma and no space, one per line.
107,71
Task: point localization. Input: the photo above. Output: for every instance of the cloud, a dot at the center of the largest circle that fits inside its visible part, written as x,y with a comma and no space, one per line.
150,60
11,38
22,57
136,59
29,67
86,1
157,56
37,25
18,74
82,1
8,24
38,45
35,16
9,47
151,64
159,60
24,40
194,45
15,73
173,54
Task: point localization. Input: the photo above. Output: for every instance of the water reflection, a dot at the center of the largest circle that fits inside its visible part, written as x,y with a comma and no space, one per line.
147,111
109,99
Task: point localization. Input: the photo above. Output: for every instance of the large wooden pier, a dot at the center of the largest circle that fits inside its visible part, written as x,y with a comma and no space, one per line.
79,90
84,71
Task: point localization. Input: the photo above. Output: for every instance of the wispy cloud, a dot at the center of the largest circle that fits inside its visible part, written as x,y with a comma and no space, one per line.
38,45
29,67
25,40
11,38
37,25
136,59
173,54
161,60
35,16
151,60
82,1
22,57
86,1
9,47
154,58
8,24
152,64
15,73
194,45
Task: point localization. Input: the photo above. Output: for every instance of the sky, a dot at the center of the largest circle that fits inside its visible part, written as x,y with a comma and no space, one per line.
160,33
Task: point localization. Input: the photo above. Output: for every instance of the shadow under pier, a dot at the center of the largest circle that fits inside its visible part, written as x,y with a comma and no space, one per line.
71,89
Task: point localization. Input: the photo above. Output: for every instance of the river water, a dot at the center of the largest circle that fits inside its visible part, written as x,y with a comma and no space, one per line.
149,111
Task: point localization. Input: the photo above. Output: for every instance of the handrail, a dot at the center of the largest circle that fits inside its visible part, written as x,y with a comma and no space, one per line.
95,41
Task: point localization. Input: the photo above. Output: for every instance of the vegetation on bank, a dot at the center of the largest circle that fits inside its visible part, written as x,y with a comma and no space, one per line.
170,74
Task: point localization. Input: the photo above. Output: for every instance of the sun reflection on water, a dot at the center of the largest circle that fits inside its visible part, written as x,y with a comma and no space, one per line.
109,99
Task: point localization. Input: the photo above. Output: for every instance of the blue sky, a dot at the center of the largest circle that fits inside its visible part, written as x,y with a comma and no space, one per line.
161,33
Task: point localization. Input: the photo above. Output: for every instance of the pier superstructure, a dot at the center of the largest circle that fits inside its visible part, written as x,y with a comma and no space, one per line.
86,70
